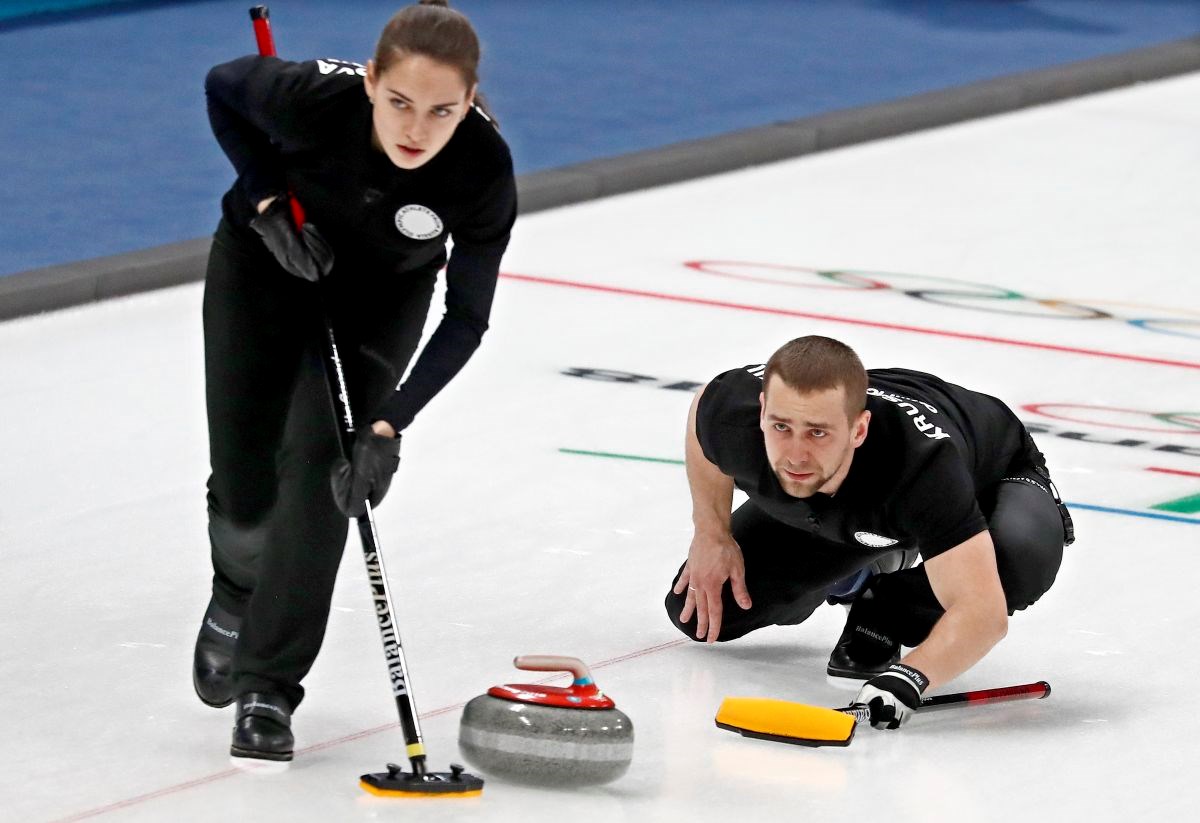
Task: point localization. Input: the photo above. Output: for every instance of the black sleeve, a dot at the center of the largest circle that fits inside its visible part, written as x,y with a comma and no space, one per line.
706,412
727,422
255,105
470,285
941,510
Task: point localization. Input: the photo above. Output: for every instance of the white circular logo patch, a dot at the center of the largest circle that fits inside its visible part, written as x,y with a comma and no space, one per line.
418,222
875,541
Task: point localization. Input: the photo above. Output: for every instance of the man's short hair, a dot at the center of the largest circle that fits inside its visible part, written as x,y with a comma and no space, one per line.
814,363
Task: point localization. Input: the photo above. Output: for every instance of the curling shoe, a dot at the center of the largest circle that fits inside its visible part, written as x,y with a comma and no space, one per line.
865,647
263,729
212,662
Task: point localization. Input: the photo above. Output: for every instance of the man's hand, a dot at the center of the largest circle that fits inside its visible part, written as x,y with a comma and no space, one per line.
713,558
304,254
892,696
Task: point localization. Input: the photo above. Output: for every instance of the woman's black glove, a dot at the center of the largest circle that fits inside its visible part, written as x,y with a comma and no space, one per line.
367,474
305,253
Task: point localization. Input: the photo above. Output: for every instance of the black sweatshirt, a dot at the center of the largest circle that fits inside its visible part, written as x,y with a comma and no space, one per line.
932,448
307,127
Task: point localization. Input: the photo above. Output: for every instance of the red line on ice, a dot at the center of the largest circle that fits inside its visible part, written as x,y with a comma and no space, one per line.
1172,471
213,778
983,338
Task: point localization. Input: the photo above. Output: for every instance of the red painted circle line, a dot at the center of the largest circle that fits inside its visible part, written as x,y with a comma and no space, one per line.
981,338
868,284
1040,408
1001,300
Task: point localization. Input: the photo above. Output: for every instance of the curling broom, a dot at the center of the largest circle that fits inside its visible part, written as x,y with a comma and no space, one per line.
787,722
395,782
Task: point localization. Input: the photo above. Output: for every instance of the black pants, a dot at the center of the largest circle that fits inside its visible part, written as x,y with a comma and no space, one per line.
788,571
276,535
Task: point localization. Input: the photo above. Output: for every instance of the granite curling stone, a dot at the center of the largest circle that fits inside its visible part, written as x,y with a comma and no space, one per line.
547,735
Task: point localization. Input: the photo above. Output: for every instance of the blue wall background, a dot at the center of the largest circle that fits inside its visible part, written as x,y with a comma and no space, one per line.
105,148
35,11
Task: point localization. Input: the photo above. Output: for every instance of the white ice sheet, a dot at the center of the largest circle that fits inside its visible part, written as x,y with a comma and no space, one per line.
498,543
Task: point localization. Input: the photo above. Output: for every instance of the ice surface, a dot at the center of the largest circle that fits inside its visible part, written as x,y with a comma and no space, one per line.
498,543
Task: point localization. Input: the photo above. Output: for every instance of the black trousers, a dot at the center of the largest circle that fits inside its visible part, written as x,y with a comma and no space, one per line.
276,535
788,571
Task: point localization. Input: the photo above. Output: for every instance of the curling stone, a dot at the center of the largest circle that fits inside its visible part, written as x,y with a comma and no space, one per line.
547,735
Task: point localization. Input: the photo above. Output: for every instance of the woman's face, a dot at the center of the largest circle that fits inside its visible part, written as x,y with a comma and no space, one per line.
418,102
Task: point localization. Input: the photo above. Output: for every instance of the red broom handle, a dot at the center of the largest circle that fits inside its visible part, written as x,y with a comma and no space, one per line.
1028,691
260,16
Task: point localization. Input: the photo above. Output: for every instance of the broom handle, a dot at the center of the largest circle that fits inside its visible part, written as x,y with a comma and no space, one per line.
260,18
376,575
1028,691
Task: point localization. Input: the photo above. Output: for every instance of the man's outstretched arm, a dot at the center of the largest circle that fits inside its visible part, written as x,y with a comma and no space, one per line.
967,585
714,556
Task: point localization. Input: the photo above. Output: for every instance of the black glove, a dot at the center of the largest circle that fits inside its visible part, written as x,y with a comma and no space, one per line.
367,474
304,254
892,696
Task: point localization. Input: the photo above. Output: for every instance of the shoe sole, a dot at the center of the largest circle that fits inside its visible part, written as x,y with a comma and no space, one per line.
859,673
256,754
855,674
851,675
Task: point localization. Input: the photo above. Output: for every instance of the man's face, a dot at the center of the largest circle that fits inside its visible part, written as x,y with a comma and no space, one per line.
809,441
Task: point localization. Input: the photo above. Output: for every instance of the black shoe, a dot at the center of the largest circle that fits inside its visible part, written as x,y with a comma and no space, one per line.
264,727
842,662
212,663
866,647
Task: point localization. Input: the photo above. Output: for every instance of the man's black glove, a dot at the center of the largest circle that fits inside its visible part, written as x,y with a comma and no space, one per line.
305,253
892,695
367,474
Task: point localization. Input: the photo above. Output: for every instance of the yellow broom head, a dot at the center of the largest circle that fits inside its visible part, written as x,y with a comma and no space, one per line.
785,722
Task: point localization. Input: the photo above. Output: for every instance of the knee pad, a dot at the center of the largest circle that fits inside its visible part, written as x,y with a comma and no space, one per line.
1028,533
895,561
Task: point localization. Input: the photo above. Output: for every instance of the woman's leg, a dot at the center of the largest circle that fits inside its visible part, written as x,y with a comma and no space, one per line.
251,350
287,614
